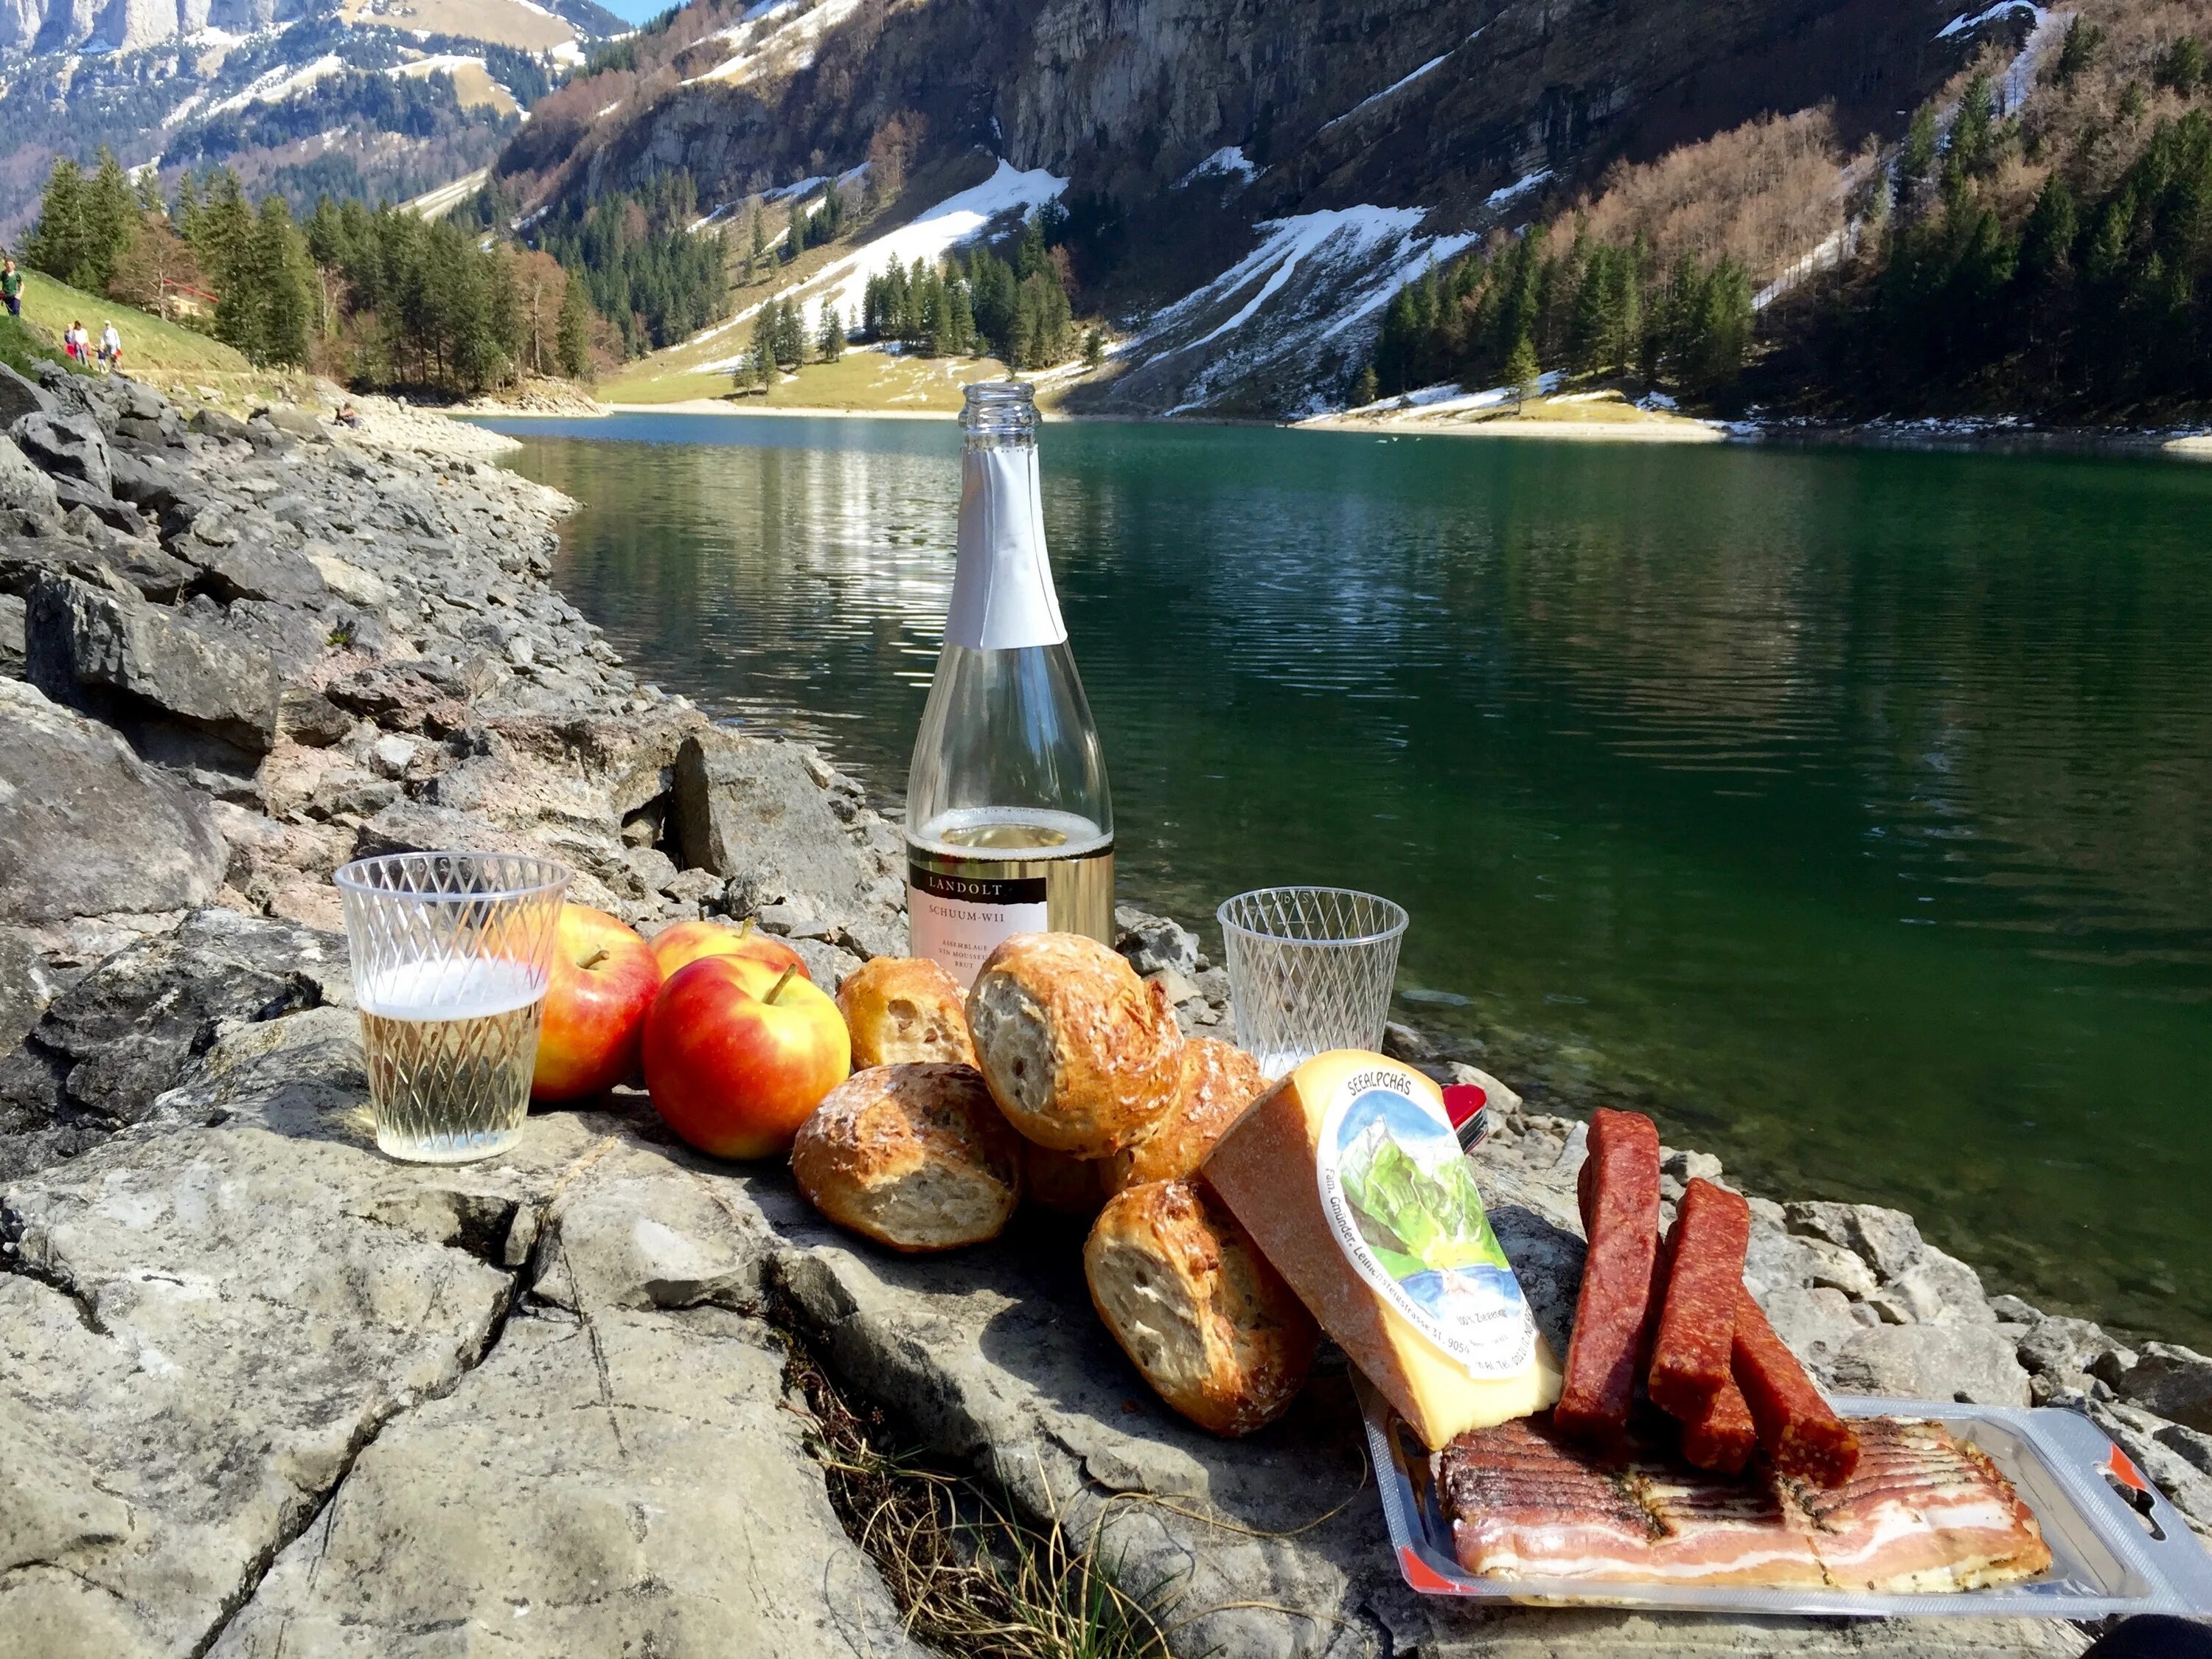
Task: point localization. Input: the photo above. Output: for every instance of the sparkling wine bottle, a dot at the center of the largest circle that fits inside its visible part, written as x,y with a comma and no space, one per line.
1009,828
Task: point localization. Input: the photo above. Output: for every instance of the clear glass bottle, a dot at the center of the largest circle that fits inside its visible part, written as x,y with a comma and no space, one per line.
1009,826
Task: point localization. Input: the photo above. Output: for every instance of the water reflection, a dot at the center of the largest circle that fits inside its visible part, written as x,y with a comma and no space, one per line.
1850,810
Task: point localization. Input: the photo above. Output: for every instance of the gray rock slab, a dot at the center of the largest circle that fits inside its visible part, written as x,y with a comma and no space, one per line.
748,807
86,828
69,445
115,1041
2172,1381
628,1484
11,637
23,486
85,646
19,397
1886,1240
198,1335
1957,1362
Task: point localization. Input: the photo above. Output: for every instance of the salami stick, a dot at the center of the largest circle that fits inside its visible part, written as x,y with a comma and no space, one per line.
1723,1436
1801,1432
1619,1191
1692,1357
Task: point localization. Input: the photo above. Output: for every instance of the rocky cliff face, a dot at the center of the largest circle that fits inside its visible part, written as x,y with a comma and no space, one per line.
1311,152
130,25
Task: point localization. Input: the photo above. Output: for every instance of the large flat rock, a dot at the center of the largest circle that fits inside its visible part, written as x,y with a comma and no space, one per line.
86,828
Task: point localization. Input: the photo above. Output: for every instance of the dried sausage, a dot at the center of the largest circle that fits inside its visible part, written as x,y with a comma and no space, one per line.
1722,1437
1693,1356
1619,1190
1801,1432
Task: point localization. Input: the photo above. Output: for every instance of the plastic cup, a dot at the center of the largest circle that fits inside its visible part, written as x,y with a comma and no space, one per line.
1310,969
451,956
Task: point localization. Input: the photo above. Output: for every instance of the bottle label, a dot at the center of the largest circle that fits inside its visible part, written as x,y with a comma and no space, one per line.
1002,591
1401,1202
957,920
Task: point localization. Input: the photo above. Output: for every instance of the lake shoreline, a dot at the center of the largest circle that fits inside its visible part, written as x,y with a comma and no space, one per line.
1953,437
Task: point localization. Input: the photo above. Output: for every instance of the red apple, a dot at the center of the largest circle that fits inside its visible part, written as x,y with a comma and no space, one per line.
683,943
736,1055
604,978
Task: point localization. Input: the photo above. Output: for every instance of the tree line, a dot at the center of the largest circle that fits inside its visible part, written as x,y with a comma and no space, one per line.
381,298
642,266
1503,315
2097,301
974,304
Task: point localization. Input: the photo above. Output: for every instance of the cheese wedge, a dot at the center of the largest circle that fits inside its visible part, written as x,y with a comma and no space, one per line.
1350,1179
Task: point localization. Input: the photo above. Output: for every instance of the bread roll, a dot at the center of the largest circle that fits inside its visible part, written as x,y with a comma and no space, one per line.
1218,1082
916,1157
1073,1187
1196,1307
902,1009
1081,1054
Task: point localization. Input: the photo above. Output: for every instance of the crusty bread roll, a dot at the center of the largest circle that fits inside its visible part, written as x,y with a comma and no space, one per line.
902,1009
1218,1082
1073,1187
916,1157
1081,1054
1196,1308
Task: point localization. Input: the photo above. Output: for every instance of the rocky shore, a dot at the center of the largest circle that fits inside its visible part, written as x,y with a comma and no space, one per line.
263,1391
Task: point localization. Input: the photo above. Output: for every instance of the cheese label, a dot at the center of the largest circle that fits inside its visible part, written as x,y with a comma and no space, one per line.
1401,1202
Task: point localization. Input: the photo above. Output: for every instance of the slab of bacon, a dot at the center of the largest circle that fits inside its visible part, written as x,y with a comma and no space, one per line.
1921,1511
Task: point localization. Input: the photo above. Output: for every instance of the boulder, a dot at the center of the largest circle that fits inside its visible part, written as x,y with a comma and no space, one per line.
214,423
2172,1381
1886,1240
1156,944
86,828
118,515
23,488
124,656
1960,1362
19,397
11,637
1935,1290
239,568
69,446
106,1047
748,806
292,419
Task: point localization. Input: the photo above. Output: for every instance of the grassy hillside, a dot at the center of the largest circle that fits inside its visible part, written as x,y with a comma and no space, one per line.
150,346
859,380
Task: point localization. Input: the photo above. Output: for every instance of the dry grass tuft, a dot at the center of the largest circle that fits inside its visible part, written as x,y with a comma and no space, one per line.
970,1578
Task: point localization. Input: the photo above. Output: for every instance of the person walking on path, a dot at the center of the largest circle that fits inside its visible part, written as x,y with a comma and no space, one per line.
11,287
111,347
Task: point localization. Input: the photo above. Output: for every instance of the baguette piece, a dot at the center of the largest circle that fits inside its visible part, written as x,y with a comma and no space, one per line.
916,1157
1081,1054
1217,1084
1307,1170
1196,1308
904,1009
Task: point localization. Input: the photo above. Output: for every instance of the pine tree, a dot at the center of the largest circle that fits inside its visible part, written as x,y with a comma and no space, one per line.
282,295
831,345
1522,369
757,256
1365,390
961,312
795,234
790,335
575,331
1094,348
763,352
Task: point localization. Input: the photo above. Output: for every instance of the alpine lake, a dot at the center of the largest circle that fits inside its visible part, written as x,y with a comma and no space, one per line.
1850,810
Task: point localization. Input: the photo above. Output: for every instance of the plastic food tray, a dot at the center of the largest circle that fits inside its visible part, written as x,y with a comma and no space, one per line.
2117,1545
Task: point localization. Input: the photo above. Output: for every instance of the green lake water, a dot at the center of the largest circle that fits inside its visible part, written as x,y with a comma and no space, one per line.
1852,811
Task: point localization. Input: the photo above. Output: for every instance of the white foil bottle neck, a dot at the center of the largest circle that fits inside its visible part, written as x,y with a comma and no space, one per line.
1002,593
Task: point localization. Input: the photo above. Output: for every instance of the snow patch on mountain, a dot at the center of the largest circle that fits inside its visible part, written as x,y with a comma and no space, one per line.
1373,99
1295,303
775,35
1228,162
280,84
956,220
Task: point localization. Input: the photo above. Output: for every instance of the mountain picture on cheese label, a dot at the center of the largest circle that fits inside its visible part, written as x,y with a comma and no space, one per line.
1402,1202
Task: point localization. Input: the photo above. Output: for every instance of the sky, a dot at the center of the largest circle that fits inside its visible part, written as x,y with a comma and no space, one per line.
636,11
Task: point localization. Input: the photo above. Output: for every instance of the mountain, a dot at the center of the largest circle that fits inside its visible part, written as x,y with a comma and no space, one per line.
1246,183
357,97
